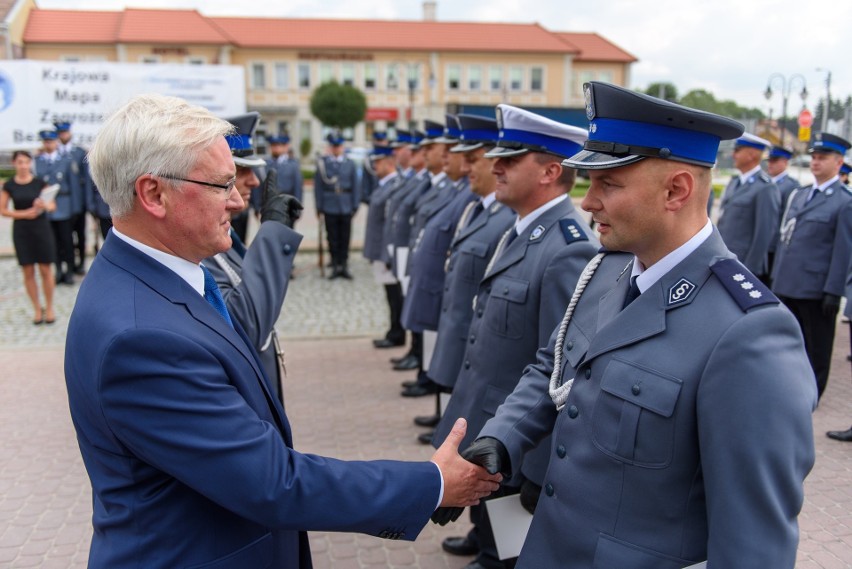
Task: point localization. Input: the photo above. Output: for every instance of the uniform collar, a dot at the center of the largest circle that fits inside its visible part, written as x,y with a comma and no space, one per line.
489,199
744,177
187,270
822,187
388,178
647,277
780,176
522,224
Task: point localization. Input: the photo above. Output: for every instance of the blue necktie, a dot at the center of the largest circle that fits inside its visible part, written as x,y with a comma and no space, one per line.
214,297
632,293
510,238
479,208
237,244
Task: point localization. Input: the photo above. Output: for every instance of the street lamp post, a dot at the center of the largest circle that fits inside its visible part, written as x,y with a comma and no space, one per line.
786,87
827,109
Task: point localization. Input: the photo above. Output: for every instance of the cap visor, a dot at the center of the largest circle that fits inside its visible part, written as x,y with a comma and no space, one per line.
249,161
466,147
445,140
590,160
502,151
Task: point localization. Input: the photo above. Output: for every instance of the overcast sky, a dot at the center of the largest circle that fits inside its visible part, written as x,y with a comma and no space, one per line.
728,47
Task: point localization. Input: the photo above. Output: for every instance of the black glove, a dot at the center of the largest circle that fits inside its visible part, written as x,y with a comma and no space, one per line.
445,515
530,491
276,206
490,454
830,305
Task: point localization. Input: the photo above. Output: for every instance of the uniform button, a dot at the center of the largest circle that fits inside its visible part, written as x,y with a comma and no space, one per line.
560,451
479,313
287,248
569,346
472,338
588,373
636,389
444,309
573,411
467,364
506,290
548,489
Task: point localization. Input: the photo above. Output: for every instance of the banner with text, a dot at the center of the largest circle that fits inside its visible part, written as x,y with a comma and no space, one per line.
34,94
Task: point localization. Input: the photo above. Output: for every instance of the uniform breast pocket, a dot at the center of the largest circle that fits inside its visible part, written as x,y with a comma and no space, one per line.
633,414
506,307
437,239
474,260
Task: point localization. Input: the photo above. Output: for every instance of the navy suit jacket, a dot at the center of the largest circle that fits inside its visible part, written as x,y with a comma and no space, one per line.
189,455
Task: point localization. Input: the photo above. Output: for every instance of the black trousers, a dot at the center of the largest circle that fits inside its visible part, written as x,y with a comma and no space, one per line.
64,238
396,333
338,228
78,230
818,330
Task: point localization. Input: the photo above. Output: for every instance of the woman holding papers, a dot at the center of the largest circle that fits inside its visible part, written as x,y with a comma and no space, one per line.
31,232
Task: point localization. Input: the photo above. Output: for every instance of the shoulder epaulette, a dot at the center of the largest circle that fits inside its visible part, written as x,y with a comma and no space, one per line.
572,231
764,176
745,288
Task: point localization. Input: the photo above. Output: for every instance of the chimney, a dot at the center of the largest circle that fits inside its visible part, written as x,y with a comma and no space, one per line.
430,9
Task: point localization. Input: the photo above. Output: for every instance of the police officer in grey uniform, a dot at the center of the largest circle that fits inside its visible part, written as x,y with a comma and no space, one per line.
367,177
288,171
846,436
813,254
526,285
54,168
337,196
670,366
79,198
254,280
776,167
750,207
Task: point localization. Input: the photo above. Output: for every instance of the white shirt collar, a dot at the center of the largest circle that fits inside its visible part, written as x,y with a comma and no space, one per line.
489,199
825,185
745,177
522,224
187,270
645,278
436,179
388,178
779,177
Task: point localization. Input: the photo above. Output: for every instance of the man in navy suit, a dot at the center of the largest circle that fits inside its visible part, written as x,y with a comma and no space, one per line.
189,454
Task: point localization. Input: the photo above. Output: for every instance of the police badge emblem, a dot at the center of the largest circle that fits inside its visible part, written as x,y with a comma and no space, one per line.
680,291
590,103
537,232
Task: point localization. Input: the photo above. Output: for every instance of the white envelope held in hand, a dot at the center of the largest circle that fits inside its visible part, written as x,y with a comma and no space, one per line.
510,523
48,193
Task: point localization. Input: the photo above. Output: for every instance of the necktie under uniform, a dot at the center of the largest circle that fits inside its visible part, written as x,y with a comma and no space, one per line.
214,297
632,293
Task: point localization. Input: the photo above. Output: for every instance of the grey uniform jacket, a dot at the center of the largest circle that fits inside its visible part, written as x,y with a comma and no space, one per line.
341,198
748,220
786,185
65,172
428,204
662,455
519,302
401,209
264,275
816,244
374,249
470,252
79,166
422,306
289,176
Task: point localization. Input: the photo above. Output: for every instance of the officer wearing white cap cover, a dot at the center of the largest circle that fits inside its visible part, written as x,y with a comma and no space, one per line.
671,365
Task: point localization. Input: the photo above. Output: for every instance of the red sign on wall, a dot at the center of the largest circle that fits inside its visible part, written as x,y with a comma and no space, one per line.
381,114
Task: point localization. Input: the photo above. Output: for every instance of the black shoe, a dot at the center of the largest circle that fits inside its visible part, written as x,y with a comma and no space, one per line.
425,438
409,362
427,420
67,279
401,358
459,546
845,436
79,271
346,274
420,390
385,343
409,383
335,274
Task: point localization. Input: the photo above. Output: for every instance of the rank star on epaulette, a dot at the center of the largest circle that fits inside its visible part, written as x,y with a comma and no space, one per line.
746,290
537,233
572,231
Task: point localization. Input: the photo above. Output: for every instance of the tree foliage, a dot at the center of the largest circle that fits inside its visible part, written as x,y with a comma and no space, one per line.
704,100
661,90
338,106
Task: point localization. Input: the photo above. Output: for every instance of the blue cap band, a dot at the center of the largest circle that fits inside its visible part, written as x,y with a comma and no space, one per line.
47,134
401,137
381,151
750,144
479,134
827,144
543,142
434,132
688,144
780,153
239,141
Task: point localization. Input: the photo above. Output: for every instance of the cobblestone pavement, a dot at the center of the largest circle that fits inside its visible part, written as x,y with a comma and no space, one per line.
45,499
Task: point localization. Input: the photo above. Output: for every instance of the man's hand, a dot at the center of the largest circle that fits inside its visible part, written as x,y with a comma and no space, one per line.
276,206
830,305
489,453
464,483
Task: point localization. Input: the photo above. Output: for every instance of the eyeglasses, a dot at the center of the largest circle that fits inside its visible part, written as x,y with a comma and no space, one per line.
226,188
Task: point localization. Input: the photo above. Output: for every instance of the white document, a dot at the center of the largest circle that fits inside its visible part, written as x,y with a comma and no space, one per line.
702,565
401,262
510,523
430,337
443,401
48,193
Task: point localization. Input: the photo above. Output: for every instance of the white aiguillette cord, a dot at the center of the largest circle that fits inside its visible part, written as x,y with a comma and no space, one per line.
559,393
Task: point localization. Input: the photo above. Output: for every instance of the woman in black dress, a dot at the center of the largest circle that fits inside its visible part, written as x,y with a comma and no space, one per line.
31,233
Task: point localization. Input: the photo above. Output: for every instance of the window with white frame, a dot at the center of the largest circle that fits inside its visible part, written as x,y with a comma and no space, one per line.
370,76
516,78
258,75
304,71
391,77
453,77
325,72
474,78
495,77
413,76
347,74
536,79
282,76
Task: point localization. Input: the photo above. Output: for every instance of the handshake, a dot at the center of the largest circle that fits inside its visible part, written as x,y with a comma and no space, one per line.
276,206
469,476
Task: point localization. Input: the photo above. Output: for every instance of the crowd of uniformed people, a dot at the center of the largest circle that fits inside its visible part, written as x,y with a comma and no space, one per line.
645,387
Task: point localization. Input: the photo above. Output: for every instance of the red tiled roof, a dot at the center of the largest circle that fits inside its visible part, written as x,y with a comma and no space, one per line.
72,26
391,35
592,47
129,26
